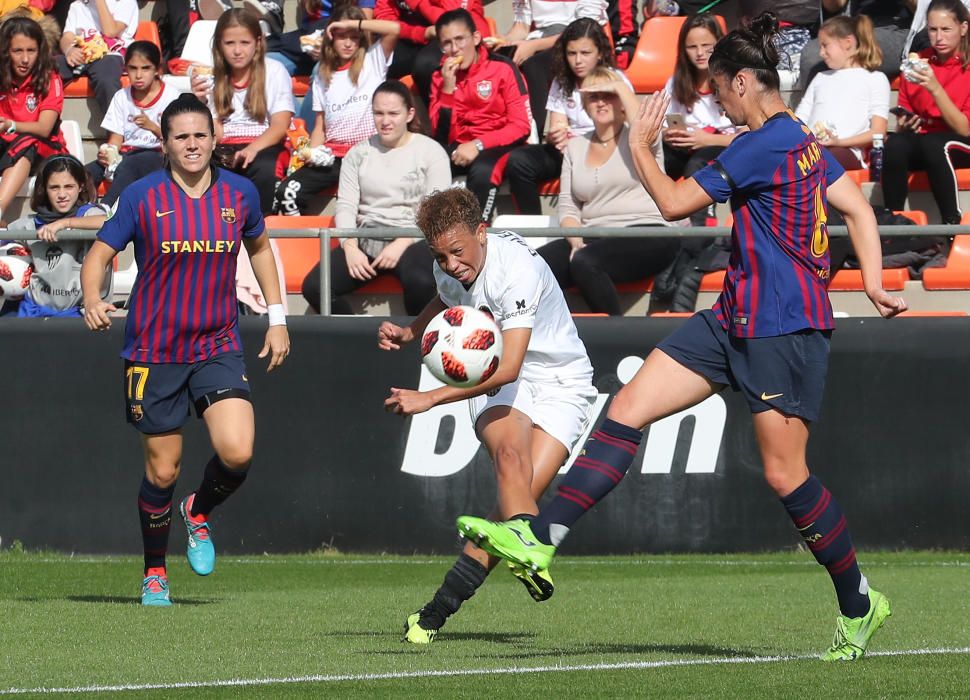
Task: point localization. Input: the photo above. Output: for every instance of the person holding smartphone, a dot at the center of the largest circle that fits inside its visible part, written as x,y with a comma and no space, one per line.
933,133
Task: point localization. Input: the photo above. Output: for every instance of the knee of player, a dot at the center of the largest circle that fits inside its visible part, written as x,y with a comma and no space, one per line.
510,462
162,475
784,476
236,457
623,406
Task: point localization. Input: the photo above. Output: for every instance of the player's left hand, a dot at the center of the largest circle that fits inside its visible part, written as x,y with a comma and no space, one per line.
407,402
646,126
886,304
245,156
277,346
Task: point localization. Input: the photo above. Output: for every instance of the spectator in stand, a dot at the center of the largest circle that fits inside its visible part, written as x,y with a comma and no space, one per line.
132,123
600,188
180,15
891,20
799,20
287,47
251,100
581,48
848,103
351,68
418,53
382,180
96,34
937,96
530,40
479,107
31,100
625,28
704,130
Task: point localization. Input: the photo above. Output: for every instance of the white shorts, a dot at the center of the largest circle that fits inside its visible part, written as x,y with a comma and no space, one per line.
562,411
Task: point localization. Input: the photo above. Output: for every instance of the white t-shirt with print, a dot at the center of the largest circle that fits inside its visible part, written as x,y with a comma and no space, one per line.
580,123
346,107
279,98
82,17
518,288
705,112
121,113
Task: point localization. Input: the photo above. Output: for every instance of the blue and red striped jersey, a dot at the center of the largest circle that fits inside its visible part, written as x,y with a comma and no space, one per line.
183,303
776,178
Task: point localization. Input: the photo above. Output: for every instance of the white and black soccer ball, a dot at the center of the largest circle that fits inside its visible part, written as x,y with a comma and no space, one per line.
15,271
462,346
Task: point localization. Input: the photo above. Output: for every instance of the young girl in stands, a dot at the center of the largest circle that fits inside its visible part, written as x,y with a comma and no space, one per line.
706,130
381,182
31,99
935,135
848,103
63,198
581,48
351,68
251,99
132,121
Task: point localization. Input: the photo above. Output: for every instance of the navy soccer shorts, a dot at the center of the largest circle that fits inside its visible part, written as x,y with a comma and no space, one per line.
158,396
785,372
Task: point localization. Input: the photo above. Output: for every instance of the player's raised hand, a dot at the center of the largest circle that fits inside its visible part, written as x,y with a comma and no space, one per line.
407,402
390,336
886,304
277,346
96,315
648,123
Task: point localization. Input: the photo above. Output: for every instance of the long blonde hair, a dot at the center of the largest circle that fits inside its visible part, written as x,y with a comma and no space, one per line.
330,61
255,102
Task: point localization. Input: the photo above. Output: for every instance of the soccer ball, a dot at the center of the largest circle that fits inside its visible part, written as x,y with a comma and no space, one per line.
15,271
462,346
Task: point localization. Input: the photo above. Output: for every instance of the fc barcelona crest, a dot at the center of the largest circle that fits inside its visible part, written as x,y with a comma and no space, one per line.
137,413
484,89
229,215
31,102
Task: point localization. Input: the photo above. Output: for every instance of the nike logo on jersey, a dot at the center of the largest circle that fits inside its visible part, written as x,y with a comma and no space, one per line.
769,397
160,214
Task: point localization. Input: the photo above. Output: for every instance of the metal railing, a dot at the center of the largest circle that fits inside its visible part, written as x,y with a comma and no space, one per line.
326,236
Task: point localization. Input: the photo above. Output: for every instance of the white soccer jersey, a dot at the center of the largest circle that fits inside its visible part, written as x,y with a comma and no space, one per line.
240,125
705,112
517,287
346,107
82,19
120,117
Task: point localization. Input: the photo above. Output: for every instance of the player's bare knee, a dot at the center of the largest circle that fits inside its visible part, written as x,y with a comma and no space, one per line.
510,464
784,476
623,407
162,474
236,458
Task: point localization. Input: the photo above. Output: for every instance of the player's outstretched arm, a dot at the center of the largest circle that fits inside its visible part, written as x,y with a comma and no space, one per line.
391,336
514,344
93,269
277,343
846,196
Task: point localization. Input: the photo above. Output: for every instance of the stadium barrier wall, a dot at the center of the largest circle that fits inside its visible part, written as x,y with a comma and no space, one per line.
333,469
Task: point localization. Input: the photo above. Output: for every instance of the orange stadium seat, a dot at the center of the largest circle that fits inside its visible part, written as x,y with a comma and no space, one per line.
893,279
298,255
656,53
919,182
956,273
301,85
492,26
147,31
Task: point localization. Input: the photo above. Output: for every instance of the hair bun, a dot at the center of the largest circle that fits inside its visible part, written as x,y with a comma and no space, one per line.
763,29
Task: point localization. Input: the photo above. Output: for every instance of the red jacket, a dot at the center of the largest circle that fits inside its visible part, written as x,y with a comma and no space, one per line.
415,16
490,102
955,82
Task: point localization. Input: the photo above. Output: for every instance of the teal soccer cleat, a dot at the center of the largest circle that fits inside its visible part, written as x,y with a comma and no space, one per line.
154,590
201,552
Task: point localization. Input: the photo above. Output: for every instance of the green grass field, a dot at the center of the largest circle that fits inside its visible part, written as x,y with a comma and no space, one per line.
314,625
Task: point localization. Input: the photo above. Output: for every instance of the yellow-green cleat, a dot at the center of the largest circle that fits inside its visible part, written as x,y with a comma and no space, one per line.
852,634
414,633
538,583
512,540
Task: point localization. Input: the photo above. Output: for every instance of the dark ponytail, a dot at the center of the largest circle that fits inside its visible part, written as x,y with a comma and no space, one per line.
750,48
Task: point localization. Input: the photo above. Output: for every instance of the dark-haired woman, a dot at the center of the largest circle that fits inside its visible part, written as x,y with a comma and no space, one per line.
935,135
182,344
580,49
767,336
382,180
31,99
132,122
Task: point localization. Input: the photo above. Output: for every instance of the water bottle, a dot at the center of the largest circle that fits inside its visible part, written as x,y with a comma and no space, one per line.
875,158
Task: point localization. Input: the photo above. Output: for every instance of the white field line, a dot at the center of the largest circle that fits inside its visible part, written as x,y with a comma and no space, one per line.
508,671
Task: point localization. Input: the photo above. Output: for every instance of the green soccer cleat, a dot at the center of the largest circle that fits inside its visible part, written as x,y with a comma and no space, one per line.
414,633
512,540
852,634
154,590
538,583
